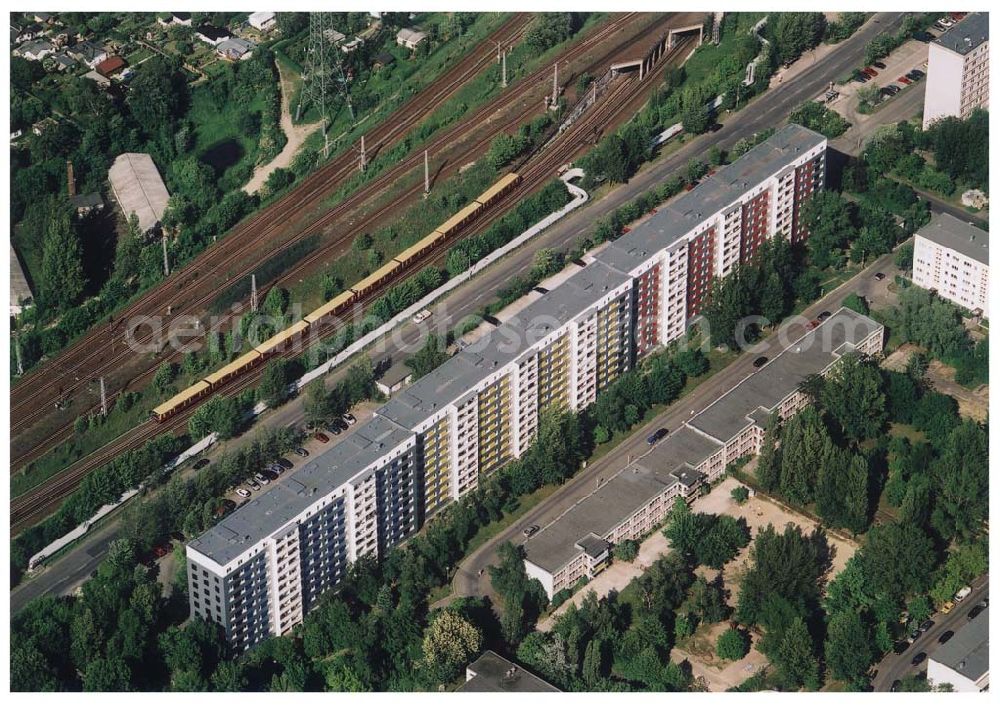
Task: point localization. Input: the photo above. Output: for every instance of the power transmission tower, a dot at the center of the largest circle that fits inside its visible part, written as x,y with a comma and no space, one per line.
323,68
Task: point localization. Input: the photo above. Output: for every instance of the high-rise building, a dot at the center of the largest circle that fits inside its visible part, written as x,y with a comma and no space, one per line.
261,568
958,70
952,258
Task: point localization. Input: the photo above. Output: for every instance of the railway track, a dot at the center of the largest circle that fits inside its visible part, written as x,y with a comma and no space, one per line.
195,288
612,109
26,396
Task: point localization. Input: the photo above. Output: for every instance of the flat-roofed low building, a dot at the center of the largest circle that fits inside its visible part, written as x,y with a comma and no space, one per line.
263,21
952,258
492,673
138,188
636,500
964,660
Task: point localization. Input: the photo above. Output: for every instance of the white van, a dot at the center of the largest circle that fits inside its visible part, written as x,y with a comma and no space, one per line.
962,594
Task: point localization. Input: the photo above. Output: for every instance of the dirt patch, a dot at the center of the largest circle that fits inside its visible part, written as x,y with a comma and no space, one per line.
716,674
296,135
972,403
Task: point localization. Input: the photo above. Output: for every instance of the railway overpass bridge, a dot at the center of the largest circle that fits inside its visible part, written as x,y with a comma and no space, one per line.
646,57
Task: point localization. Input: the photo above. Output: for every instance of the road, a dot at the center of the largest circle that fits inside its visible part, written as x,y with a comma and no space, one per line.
468,581
768,110
894,667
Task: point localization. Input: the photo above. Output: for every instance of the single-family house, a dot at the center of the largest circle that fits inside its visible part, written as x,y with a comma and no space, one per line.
25,33
110,66
410,37
88,53
333,36
384,58
44,17
263,21
351,46
235,49
212,35
176,18
62,61
35,50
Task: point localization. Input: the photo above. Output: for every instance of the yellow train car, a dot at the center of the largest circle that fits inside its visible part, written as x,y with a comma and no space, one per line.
407,256
376,278
332,307
276,342
181,400
499,189
241,364
455,222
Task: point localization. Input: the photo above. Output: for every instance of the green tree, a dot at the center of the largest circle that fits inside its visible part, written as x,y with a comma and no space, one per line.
62,279
797,665
732,645
695,118
431,356
273,386
450,643
848,648
853,397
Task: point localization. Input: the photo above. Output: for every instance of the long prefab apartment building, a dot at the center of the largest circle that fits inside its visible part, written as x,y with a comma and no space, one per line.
263,567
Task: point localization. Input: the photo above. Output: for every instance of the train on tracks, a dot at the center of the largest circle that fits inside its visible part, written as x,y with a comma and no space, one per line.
297,331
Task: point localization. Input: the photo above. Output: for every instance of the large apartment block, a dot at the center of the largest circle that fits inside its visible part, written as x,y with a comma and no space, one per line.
958,70
952,258
432,442
636,500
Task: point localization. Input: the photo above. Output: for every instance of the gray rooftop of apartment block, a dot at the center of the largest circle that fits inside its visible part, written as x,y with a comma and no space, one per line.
968,652
453,381
714,193
295,491
966,239
968,34
675,458
765,388
492,673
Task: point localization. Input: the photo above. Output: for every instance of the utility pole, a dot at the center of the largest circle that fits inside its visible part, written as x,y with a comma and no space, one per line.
166,262
555,84
104,400
364,160
427,174
253,293
503,71
498,52
17,352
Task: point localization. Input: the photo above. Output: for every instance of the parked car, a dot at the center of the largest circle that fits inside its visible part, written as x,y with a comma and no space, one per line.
530,531
285,463
879,64
254,485
760,362
421,316
886,93
879,276
895,686
946,636
322,437
917,73
244,493
658,435
904,80
947,607
333,428
302,452
259,477
894,88
871,72
975,612
861,78
919,658
925,625
823,316
276,469
349,419
203,463
963,593
812,324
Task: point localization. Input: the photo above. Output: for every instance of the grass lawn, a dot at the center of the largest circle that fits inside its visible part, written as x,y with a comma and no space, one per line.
705,61
215,126
901,430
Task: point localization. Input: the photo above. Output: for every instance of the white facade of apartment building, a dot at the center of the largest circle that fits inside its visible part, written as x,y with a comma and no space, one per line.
952,258
958,70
